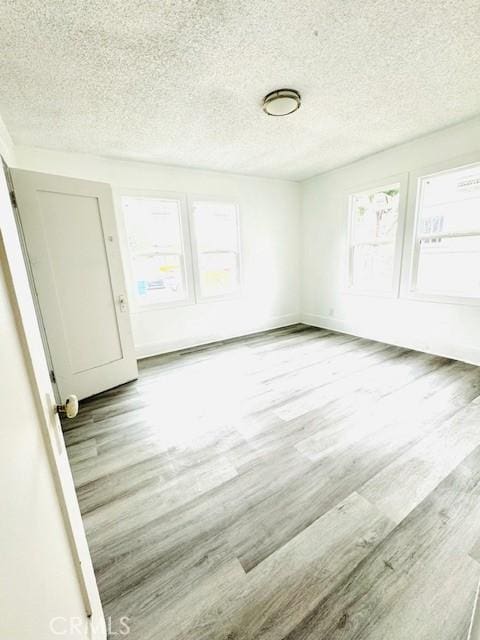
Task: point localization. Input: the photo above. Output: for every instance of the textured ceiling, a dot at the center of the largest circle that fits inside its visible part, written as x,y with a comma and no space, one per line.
181,82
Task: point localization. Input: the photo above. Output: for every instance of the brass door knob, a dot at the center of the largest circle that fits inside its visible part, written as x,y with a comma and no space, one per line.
70,408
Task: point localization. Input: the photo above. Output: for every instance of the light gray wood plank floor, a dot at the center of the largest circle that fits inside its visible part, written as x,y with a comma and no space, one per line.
295,484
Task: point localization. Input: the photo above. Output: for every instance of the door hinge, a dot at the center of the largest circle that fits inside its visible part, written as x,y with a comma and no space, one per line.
13,199
52,376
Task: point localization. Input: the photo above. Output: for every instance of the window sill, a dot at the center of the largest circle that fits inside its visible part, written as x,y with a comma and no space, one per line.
161,306
370,293
226,298
438,298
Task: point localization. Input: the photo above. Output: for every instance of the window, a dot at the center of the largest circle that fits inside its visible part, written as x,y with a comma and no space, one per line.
446,259
155,240
373,225
217,248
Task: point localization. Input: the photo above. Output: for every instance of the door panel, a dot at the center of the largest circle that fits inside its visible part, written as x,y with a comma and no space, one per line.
72,244
88,282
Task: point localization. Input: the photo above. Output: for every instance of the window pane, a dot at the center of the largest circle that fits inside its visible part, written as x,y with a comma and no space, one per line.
450,201
158,278
153,225
372,267
215,226
373,229
155,241
216,234
374,214
450,204
218,273
450,266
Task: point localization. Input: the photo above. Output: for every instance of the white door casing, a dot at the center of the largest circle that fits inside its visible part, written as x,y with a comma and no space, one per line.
72,244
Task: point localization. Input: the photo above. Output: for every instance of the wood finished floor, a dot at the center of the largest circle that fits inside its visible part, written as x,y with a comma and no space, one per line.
294,485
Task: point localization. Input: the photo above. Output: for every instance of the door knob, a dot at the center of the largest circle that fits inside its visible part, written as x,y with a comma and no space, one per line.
70,408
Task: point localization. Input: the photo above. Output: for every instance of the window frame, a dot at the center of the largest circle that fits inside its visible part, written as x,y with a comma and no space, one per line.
377,185
191,199
189,299
417,178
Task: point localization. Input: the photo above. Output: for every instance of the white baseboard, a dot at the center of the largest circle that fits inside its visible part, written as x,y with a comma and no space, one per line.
462,352
155,349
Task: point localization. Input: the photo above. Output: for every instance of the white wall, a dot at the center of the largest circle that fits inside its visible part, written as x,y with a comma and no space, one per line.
269,211
271,239
446,329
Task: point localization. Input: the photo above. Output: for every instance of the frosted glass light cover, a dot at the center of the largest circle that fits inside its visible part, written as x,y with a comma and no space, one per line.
281,102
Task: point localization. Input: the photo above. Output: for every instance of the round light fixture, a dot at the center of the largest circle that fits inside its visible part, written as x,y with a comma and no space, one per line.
282,102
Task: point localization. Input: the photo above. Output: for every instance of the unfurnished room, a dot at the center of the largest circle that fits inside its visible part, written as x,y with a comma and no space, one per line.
240,320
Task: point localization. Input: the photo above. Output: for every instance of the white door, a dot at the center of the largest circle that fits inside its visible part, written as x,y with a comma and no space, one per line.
72,244
48,584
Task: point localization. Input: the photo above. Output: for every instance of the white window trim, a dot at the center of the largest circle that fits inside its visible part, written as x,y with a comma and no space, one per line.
186,246
402,180
196,271
414,238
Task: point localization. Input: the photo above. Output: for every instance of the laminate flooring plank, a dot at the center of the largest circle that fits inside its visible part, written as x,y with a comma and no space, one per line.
288,364
130,511
298,483
131,475
115,425
272,337
434,615
416,567
398,488
475,551
159,441
414,409
340,363
341,469
174,575
149,367
297,388
282,515
287,341
83,451
119,397
319,391
270,431
379,380
278,363
279,593
136,553
161,604
273,434
129,479
87,471
319,344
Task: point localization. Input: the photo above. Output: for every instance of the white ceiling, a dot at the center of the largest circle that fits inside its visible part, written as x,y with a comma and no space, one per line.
181,81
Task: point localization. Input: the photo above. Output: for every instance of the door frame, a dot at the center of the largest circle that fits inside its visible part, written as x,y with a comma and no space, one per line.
24,308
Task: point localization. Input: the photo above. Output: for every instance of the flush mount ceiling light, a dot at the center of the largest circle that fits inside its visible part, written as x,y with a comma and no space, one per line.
282,102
